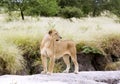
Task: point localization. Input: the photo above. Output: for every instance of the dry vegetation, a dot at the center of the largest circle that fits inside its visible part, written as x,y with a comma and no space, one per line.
20,39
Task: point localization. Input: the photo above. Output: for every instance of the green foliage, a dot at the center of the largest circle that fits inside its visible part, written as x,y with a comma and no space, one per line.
61,7
88,49
42,7
64,3
48,7
87,6
115,7
14,5
69,12
79,46
32,7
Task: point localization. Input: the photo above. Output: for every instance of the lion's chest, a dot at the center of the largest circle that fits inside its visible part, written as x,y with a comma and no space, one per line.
46,52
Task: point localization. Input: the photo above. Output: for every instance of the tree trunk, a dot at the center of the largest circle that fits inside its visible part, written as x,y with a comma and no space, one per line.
94,12
22,14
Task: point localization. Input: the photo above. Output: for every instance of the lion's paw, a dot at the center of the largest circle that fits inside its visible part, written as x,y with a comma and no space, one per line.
43,72
76,72
65,71
49,73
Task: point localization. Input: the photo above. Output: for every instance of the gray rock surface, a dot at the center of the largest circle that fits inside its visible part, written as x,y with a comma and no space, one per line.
90,77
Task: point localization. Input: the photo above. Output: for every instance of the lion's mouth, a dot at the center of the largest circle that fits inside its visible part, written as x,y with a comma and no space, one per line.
58,39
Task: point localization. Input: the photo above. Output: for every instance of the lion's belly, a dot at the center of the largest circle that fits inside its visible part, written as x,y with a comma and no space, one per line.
61,54
58,56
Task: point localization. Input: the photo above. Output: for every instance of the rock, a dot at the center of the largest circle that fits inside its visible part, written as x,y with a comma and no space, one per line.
90,77
85,62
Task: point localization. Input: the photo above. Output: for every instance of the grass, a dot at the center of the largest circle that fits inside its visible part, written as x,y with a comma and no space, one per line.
21,39
12,58
78,29
113,66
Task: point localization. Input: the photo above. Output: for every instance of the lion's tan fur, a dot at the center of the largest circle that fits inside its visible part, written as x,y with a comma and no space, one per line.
57,49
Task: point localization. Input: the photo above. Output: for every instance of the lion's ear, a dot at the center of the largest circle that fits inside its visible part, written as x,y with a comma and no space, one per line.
50,32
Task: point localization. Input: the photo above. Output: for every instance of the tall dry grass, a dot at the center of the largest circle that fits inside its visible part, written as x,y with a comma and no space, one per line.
11,58
91,34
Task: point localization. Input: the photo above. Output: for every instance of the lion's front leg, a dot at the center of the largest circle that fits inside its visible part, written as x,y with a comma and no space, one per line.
51,65
44,63
67,62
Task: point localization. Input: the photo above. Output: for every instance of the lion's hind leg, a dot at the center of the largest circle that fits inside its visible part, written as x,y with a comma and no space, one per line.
74,59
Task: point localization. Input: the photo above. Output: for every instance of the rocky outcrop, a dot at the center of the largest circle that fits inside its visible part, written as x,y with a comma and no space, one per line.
94,77
97,62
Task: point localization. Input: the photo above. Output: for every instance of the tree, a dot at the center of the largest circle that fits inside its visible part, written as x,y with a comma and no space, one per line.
114,7
64,3
15,5
41,7
20,6
48,7
84,5
31,7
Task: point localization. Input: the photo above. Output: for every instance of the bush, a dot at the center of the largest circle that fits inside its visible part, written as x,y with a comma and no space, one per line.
88,49
69,12
11,59
80,45
110,44
113,66
30,47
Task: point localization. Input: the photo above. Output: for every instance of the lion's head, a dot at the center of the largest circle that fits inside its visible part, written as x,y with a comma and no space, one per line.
54,34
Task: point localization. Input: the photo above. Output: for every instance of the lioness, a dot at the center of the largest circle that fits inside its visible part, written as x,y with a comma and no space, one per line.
53,47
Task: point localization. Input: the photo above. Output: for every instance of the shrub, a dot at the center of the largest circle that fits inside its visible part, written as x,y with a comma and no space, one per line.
10,58
69,12
113,66
88,49
79,46
110,44
30,47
